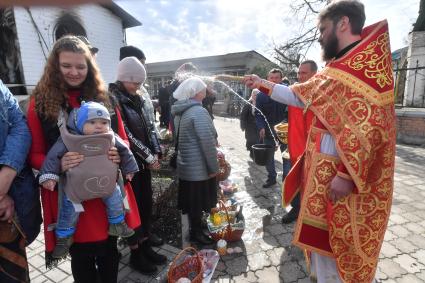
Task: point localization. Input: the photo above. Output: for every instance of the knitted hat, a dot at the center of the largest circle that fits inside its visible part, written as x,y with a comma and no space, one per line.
189,88
89,111
129,51
131,70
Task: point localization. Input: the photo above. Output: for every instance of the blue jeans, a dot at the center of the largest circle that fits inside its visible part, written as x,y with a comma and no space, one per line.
286,164
68,217
270,167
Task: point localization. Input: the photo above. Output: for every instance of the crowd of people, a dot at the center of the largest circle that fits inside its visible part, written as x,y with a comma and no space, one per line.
257,130
338,160
74,122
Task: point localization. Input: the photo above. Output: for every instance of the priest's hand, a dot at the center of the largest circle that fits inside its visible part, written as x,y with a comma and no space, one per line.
252,81
340,188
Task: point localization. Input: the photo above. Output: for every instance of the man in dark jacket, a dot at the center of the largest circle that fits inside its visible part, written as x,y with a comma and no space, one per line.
247,122
275,113
164,104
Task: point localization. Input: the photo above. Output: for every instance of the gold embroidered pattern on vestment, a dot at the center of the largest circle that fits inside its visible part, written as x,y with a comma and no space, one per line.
374,59
360,86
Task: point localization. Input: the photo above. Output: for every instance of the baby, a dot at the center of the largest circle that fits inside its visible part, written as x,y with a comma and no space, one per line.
95,177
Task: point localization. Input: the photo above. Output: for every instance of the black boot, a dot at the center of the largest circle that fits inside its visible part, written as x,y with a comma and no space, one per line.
269,183
290,217
199,237
150,254
139,262
155,240
196,234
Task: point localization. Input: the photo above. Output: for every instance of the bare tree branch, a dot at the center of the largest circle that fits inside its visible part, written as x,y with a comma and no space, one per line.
286,58
289,53
310,7
300,39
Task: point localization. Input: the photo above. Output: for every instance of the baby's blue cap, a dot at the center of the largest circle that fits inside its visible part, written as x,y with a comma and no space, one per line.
89,111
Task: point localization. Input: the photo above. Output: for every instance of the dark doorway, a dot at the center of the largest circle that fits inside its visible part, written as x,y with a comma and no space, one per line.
68,23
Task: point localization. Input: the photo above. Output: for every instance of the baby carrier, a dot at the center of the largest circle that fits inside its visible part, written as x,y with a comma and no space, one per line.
96,176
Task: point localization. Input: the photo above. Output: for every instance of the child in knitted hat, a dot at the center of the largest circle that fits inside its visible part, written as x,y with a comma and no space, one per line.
94,177
144,143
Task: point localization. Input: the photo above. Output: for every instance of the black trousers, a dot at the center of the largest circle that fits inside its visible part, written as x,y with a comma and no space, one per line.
142,188
296,203
91,262
194,197
164,119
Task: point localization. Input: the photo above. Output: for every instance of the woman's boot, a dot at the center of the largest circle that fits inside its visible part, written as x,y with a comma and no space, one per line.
151,255
139,262
197,235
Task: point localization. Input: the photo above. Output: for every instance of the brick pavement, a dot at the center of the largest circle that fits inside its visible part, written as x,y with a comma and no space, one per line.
268,255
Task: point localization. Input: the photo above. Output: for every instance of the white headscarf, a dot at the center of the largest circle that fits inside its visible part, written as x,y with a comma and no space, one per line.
189,88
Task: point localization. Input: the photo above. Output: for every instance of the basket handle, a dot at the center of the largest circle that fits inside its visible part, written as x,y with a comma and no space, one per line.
186,250
222,197
229,227
200,259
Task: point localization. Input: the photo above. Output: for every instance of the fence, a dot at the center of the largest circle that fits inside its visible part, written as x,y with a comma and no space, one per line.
409,87
235,106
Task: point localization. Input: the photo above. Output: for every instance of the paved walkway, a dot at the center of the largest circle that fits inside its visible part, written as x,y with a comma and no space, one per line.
268,255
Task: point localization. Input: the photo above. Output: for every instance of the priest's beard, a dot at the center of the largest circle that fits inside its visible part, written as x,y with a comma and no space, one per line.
330,47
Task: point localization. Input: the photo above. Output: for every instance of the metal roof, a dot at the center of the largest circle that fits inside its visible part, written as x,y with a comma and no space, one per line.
235,61
128,20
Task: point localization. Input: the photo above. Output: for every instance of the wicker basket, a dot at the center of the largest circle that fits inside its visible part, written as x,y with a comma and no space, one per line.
282,132
224,167
223,170
231,232
188,263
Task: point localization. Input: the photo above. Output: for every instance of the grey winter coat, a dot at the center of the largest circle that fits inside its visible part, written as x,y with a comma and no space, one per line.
197,153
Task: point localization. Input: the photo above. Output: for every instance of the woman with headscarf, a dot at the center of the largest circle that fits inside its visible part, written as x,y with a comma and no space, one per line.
197,165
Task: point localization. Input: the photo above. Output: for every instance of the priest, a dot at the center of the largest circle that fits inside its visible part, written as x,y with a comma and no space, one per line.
346,173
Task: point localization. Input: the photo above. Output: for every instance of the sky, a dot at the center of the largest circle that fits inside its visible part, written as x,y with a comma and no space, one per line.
181,29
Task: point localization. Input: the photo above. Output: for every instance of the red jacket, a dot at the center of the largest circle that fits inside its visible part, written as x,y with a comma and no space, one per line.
92,225
298,128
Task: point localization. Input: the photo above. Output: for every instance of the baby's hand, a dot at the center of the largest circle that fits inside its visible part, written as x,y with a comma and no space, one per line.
49,185
129,176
